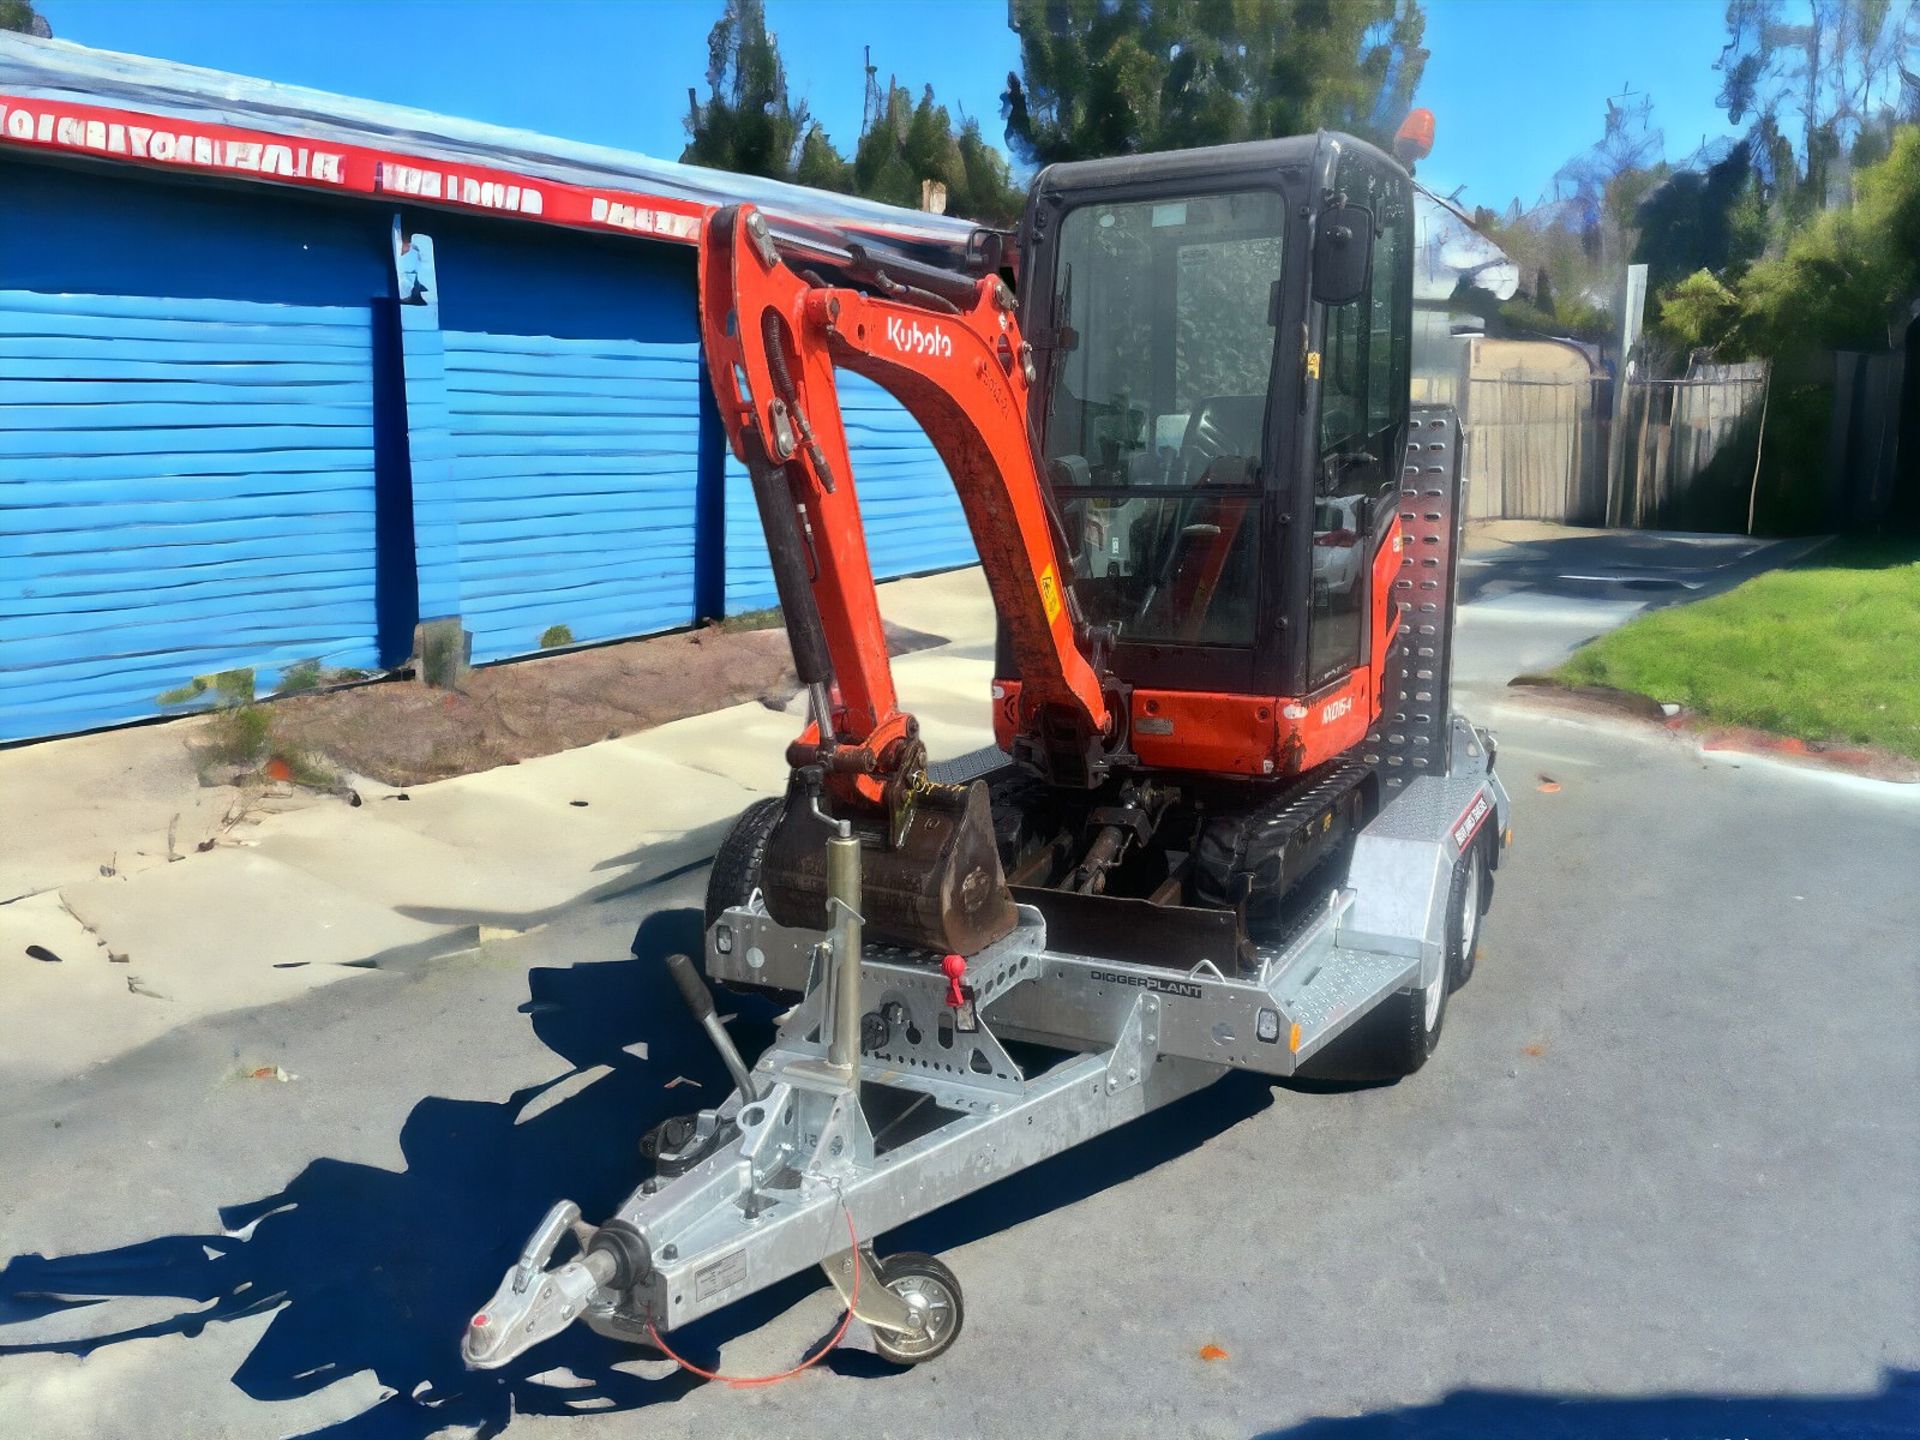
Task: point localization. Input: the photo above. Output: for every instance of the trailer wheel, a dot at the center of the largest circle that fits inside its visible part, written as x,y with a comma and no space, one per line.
736,865
1466,949
1401,1032
931,1288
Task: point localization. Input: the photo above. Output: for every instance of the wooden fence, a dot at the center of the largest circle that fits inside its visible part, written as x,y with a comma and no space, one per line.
1537,448
1691,455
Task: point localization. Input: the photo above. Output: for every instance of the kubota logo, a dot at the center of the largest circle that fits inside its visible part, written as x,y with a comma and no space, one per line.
910,339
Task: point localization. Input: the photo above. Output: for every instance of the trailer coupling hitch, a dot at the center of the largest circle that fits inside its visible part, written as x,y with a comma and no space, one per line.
534,1303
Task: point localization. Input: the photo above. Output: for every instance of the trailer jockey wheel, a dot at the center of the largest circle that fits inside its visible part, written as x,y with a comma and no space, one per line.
932,1291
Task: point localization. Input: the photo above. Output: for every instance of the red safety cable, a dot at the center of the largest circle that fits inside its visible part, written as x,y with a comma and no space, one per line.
745,1382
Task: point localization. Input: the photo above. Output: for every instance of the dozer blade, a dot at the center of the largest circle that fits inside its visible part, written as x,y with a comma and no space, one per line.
940,888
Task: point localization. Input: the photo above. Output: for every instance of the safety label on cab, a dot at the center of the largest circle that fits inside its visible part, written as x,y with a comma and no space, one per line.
1049,594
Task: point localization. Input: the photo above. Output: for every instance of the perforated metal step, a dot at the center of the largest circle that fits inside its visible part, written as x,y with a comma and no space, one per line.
1333,994
1411,736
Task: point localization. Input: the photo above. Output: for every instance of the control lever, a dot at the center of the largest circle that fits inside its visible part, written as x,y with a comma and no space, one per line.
700,1001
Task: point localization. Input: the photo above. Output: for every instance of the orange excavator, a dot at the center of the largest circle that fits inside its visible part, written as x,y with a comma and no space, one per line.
1179,457
1231,820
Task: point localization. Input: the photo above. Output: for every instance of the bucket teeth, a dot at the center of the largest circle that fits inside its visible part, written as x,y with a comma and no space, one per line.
939,887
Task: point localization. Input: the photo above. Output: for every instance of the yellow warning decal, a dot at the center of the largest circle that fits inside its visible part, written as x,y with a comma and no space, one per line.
1313,364
1049,594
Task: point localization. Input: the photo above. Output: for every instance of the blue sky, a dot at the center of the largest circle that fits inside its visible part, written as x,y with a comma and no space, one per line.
1517,85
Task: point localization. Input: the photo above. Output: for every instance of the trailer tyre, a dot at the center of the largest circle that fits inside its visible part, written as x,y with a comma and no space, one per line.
736,865
1399,1035
930,1287
1466,949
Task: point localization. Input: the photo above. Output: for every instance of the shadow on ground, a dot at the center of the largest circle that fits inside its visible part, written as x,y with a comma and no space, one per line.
1890,1413
372,1270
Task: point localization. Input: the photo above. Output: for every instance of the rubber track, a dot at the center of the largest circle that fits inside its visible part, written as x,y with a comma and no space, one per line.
1272,826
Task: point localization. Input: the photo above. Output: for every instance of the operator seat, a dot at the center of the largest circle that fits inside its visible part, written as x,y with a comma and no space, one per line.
1221,425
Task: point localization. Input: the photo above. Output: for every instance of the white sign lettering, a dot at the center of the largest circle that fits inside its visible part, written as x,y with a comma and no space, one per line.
643,219
910,339
180,147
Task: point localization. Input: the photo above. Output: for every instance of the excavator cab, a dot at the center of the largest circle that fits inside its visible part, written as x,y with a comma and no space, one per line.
1223,341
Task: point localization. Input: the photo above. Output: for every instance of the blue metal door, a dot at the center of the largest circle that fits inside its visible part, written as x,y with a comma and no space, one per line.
186,488
912,515
574,473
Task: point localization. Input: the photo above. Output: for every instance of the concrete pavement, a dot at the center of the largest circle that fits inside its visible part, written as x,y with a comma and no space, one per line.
301,890
1661,1153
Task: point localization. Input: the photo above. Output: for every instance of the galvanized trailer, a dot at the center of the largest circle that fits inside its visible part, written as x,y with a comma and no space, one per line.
903,1080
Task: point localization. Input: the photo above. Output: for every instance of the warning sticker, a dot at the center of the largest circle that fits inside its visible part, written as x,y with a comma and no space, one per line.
722,1275
1049,594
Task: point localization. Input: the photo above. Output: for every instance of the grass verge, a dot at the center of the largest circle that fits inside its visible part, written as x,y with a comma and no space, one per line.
1827,651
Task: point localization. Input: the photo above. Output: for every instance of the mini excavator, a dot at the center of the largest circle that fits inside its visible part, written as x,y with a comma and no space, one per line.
1230,820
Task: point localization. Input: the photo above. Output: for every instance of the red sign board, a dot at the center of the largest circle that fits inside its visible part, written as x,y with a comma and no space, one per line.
164,143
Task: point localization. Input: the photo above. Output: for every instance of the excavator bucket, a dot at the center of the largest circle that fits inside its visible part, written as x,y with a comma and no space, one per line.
938,887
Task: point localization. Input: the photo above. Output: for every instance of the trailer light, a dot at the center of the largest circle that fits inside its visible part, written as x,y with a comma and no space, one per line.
723,939
1267,1025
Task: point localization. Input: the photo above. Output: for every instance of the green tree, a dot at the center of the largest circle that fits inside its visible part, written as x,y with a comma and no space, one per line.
910,142
820,165
1839,284
1697,312
1712,219
1121,77
20,16
1830,74
1850,274
748,123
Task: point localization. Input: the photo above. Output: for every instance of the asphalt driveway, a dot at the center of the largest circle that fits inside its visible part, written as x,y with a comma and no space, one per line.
1659,1180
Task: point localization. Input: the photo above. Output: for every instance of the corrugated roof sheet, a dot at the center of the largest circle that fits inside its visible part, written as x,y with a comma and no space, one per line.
59,70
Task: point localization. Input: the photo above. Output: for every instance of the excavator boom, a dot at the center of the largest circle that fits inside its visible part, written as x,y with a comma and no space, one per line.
954,357
956,361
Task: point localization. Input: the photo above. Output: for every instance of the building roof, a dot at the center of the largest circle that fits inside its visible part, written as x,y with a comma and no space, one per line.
71,82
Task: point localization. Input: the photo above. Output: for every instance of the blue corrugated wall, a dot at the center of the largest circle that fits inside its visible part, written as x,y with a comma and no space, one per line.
577,437
186,487
574,475
913,518
225,446
188,459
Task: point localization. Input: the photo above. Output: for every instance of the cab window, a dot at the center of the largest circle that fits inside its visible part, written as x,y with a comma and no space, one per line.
1156,409
1365,349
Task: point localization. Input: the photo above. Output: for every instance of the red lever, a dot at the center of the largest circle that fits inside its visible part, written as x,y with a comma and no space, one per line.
954,967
